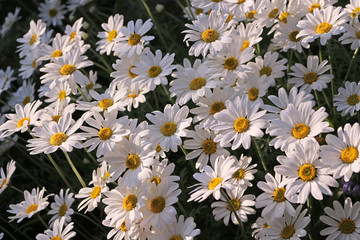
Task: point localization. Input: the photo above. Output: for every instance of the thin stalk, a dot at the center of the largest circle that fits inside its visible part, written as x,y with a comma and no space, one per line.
182,209
317,98
7,233
156,100
173,17
260,155
258,49
167,93
183,150
60,172
102,59
350,66
16,189
89,154
189,6
191,17
320,51
74,170
331,72
82,93
42,221
290,61
309,202
103,68
149,106
326,99
6,104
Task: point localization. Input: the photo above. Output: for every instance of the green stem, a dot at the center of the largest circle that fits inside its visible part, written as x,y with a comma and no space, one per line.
326,99
16,189
173,17
42,221
260,154
182,209
89,154
60,172
166,91
6,104
316,97
183,150
103,68
309,202
320,51
191,17
350,66
7,233
331,72
75,170
82,93
258,49
109,69
189,6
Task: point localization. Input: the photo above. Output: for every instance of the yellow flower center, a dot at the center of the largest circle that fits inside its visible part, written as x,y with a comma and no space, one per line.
241,125
292,36
197,83
323,28
265,225
33,64
229,18
123,226
307,172
58,138
355,12
214,182
133,95
132,161
347,226
20,123
199,11
231,63
314,6
176,237
62,210
134,39
210,35
72,36
57,53
216,107
283,17
31,208
209,146
353,99
158,148
106,176
67,69
168,129
246,44
105,103
95,192
241,1
310,77
56,238
53,12
287,231
216,1
129,203
156,180
131,74
157,204
3,183
251,14
239,174
105,133
154,71
253,94
26,100
90,86
279,195
300,131
33,39
112,34
266,70
62,95
236,204
349,155
273,13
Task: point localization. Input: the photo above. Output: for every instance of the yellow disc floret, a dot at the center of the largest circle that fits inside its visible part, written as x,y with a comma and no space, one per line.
31,208
3,183
58,138
26,100
57,53
154,71
33,39
210,35
310,77
20,123
279,195
239,174
253,94
353,99
175,237
129,202
231,63
53,12
197,83
157,204
292,36
156,180
236,204
241,125
209,146
105,103
112,34
347,226
307,172
300,131
55,238
62,95
287,232
95,192
132,161
105,133
246,44
355,12
349,155
273,13
168,129
266,70
131,74
314,6
323,28
216,107
251,14
134,39
62,210
123,226
67,69
214,182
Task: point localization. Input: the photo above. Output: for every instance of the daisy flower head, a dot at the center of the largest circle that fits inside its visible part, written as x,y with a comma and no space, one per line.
23,95
210,34
342,221
61,208
256,8
305,173
91,84
134,96
216,6
34,202
271,10
10,19
297,126
273,197
58,231
29,64
352,9
312,76
22,118
253,85
53,135
8,77
239,8
243,173
241,203
240,121
310,5
5,178
110,35
213,179
121,232
57,110
123,75
249,35
60,46
161,172
103,133
341,154
181,229
73,31
52,12
348,99
168,127
133,38
31,40
288,227
260,225
192,82
61,91
153,70
352,34
321,24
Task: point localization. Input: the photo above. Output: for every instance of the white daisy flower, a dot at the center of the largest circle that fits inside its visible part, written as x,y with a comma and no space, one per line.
161,172
310,5
213,179
210,34
297,126
242,204
272,10
240,121
250,34
56,111
273,198
9,21
253,85
239,8
23,94
29,64
31,40
217,6
121,232
202,142
58,231
8,77
90,85
256,8
351,34
341,154
153,69
134,96
34,202
123,74
5,178
352,9
74,31
243,173
348,100
321,24
52,12
260,225
305,173
168,127
61,208
111,34
133,39
73,4
61,91
342,221
60,46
